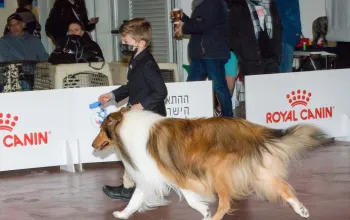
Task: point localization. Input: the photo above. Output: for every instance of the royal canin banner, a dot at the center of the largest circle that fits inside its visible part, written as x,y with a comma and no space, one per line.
299,110
8,123
33,128
283,100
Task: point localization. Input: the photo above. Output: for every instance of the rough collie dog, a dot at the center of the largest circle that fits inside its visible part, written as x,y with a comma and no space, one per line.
202,159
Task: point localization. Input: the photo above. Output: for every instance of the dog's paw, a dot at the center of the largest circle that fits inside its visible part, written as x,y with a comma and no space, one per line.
120,215
299,208
207,216
303,212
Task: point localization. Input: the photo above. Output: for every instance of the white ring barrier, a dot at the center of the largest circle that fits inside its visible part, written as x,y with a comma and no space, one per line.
318,97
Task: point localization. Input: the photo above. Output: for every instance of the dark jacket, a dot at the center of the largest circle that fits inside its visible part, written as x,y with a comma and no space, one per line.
32,26
342,50
25,47
61,15
145,84
243,42
76,49
207,27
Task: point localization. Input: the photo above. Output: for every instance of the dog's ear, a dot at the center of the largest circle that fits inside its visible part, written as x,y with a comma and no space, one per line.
110,123
125,109
114,118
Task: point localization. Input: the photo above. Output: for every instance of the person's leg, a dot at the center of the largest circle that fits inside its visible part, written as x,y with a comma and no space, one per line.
286,58
216,71
231,80
128,182
231,71
123,192
196,72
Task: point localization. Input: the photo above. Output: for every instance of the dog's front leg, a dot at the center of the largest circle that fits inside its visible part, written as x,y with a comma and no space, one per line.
134,205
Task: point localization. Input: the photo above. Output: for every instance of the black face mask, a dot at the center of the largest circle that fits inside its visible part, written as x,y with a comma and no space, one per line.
256,2
127,50
75,38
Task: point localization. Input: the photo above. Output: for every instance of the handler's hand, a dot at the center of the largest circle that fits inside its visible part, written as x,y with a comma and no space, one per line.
137,106
105,98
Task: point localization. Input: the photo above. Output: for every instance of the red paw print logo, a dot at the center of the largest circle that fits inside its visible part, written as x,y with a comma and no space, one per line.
8,122
299,97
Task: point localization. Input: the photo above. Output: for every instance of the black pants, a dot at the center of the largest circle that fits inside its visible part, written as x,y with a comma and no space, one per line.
267,66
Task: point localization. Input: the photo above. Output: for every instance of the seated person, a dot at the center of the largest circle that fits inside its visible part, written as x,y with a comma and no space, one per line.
22,48
76,47
24,10
18,45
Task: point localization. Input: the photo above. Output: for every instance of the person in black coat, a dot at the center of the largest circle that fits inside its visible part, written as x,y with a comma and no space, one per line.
255,35
65,12
76,47
146,88
208,50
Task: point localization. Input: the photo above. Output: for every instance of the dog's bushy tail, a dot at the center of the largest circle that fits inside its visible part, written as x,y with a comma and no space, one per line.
298,139
282,146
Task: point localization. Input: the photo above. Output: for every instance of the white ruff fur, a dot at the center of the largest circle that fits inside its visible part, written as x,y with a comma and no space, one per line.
151,186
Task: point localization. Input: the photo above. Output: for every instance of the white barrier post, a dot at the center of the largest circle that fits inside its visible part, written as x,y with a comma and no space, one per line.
69,158
345,127
80,165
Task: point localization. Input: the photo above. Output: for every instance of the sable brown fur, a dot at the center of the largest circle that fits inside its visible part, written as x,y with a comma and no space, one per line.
227,157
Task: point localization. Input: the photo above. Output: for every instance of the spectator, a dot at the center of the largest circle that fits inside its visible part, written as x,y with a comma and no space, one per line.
255,36
207,48
231,67
32,26
290,16
69,52
65,12
19,45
